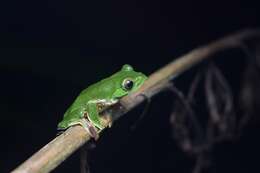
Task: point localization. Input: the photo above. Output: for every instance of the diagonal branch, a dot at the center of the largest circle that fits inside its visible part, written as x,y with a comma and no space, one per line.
60,148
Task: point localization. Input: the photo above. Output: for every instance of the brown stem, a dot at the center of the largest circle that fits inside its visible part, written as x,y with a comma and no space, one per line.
52,154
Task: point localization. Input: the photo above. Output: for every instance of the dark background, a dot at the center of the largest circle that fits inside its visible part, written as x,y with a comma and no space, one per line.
51,50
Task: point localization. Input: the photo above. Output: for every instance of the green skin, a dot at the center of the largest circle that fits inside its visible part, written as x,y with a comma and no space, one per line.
97,97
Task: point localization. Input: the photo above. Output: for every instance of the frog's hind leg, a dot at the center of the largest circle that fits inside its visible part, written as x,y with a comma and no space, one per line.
93,116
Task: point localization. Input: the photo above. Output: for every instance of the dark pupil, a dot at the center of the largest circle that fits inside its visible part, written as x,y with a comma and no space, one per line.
128,84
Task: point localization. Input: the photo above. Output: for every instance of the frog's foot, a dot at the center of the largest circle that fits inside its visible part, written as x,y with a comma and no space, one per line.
89,127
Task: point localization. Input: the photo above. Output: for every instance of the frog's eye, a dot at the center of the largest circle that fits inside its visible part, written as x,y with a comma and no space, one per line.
127,84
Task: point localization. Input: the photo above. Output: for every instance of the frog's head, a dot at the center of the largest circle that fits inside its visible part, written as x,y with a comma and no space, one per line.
127,81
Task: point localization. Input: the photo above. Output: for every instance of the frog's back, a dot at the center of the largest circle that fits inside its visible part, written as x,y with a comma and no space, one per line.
98,91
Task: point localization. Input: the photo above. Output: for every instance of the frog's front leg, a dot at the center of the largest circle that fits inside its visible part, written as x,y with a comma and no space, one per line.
93,116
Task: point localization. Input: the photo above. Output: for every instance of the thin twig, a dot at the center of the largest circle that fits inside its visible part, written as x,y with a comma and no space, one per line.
52,154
